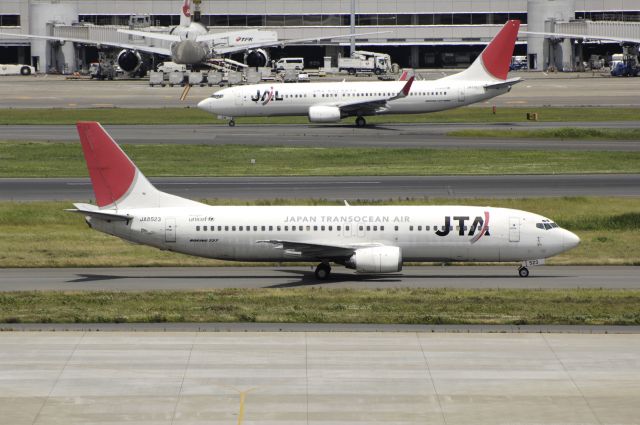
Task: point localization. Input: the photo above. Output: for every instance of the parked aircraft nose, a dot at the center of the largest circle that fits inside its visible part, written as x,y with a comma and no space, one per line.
569,240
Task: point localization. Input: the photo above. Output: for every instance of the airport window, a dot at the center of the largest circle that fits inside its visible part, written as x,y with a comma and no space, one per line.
9,20
461,19
275,20
197,228
255,20
404,19
366,19
387,19
312,20
237,20
293,20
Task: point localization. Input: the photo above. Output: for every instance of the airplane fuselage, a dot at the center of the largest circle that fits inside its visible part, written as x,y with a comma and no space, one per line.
423,233
296,99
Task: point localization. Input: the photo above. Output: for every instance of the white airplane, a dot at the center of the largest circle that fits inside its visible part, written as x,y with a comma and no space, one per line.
369,239
191,43
330,102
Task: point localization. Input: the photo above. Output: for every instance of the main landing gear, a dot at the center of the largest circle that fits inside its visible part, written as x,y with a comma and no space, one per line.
523,271
361,122
323,271
232,123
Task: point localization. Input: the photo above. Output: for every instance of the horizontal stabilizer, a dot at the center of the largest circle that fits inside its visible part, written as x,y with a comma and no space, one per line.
503,84
95,212
152,35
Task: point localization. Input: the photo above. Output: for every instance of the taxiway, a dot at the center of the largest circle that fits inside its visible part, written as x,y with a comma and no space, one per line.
194,278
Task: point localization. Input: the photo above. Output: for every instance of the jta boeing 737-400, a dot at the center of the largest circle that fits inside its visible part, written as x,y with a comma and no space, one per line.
369,239
330,102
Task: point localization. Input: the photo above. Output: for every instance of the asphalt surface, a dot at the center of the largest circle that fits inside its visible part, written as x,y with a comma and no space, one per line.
432,136
339,188
468,277
537,89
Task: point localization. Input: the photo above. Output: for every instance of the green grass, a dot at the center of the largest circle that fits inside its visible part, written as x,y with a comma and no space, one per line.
41,234
196,116
42,159
554,133
312,305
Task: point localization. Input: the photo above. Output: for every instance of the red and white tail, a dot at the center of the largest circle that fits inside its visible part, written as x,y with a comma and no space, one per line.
185,14
117,182
493,63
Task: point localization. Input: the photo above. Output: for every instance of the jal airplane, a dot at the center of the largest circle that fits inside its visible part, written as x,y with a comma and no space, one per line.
330,102
369,239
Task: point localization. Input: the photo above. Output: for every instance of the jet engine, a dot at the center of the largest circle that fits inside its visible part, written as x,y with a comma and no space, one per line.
129,61
322,113
378,259
257,58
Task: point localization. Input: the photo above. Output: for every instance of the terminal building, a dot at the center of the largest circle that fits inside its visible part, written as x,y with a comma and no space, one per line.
416,33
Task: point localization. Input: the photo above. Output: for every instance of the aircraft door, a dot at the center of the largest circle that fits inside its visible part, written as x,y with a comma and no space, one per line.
461,94
514,229
170,230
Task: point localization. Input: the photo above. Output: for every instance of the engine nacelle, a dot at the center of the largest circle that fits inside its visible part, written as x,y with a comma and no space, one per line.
129,61
322,113
257,58
378,259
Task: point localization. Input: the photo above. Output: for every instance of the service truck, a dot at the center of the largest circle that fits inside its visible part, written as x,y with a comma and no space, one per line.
365,62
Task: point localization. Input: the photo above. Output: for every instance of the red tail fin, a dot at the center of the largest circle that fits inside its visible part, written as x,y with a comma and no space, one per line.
112,172
497,55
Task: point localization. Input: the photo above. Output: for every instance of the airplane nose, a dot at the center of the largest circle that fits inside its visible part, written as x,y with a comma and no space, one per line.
204,105
569,240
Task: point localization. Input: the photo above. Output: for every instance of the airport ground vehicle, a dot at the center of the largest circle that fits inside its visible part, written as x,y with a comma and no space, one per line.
362,61
286,64
369,239
16,69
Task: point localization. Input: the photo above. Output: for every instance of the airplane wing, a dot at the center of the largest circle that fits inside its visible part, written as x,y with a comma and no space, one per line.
583,36
279,43
94,211
371,106
152,35
136,47
320,251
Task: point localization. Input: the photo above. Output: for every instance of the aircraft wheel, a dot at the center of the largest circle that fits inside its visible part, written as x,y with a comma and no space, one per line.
361,122
232,123
322,271
523,272
25,70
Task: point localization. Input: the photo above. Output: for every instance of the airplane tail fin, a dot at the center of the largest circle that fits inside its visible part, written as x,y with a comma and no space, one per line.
117,182
185,14
493,63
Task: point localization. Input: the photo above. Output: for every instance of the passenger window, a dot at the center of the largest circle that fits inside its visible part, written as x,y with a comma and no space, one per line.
293,228
219,228
240,228
426,227
226,228
278,228
330,228
368,228
395,228
315,228
419,227
255,228
339,228
233,228
322,228
263,228
411,228
375,228
271,228
361,228
197,228
248,228
286,228
382,228
346,228
204,228
308,228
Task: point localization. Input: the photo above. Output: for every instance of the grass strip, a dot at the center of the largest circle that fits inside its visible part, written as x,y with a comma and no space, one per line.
313,305
195,116
554,133
41,234
47,159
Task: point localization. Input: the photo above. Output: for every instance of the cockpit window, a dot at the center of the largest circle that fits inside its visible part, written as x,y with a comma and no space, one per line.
546,225
217,96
